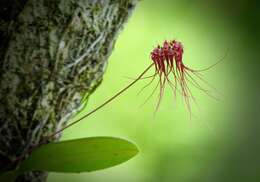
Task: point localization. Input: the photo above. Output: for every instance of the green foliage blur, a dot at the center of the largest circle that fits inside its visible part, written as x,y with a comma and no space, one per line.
220,143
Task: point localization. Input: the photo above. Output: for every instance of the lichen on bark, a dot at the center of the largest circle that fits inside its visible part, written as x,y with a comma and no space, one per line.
53,54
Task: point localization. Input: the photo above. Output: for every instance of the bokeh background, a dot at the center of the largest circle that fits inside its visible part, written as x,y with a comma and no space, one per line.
221,141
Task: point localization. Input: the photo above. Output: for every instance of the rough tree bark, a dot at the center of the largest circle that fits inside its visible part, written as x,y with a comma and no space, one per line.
53,54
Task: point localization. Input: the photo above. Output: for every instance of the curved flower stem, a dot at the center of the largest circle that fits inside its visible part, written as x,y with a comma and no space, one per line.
99,107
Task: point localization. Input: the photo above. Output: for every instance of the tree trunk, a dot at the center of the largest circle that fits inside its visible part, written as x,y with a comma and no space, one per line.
53,55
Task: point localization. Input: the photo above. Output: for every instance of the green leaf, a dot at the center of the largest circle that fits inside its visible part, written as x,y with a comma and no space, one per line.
80,155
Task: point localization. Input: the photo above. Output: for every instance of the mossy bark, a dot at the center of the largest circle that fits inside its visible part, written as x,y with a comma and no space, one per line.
53,54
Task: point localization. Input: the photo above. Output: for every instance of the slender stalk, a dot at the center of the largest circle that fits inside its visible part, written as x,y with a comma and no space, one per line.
99,107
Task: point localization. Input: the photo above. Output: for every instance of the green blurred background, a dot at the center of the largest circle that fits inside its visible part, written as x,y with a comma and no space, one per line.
221,141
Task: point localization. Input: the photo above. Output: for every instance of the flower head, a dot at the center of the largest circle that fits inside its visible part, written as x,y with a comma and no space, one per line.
168,61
